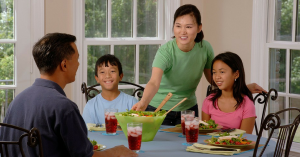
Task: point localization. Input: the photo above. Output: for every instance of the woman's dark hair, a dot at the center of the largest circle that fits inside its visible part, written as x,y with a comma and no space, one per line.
193,11
113,60
51,50
239,86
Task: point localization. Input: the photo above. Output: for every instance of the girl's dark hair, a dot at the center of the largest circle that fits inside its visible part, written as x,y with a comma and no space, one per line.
112,59
239,86
193,11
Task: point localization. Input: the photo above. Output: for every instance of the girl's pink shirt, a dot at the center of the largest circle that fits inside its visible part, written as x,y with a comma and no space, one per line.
231,119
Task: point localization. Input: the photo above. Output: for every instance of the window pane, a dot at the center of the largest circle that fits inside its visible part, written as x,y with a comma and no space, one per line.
126,55
95,18
147,54
127,91
147,18
121,18
6,96
6,64
298,23
295,72
283,20
295,103
6,19
277,105
94,52
277,69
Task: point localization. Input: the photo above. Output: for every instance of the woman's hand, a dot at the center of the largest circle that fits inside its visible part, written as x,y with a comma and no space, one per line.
254,88
139,106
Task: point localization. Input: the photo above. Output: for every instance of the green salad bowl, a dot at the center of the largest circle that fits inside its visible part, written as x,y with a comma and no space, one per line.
150,125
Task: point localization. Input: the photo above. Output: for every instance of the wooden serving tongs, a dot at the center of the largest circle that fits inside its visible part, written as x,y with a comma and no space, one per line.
164,102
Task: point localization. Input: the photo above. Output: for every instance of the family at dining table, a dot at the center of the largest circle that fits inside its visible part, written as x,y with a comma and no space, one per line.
177,68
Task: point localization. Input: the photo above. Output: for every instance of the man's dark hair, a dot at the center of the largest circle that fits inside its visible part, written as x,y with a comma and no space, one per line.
113,60
51,50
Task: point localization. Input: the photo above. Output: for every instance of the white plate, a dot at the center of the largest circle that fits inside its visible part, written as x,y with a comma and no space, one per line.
100,147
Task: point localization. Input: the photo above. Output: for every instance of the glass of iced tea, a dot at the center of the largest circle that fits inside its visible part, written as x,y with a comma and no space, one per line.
192,130
110,121
134,133
189,114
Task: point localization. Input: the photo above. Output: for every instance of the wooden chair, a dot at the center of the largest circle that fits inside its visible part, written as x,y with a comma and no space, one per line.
285,136
208,91
263,98
33,139
88,91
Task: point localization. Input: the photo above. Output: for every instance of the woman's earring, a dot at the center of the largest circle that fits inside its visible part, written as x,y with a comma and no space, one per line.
234,79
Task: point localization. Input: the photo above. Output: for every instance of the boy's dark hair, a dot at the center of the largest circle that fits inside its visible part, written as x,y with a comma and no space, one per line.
193,11
51,49
239,86
113,60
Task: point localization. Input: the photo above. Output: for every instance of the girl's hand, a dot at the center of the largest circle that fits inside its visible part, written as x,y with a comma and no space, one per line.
139,106
254,88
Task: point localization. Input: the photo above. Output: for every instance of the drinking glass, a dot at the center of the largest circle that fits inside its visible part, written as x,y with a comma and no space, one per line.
134,133
192,130
110,121
189,114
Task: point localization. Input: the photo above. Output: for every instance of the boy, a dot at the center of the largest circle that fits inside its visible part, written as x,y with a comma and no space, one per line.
108,73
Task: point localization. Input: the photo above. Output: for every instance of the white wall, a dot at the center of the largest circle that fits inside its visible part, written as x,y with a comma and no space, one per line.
59,18
227,26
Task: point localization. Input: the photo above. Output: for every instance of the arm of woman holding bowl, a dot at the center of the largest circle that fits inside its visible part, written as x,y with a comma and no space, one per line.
150,90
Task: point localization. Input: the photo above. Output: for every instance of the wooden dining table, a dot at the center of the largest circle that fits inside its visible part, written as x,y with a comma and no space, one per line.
171,144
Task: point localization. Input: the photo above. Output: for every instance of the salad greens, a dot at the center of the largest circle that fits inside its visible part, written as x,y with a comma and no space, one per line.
211,125
93,142
133,113
224,134
230,140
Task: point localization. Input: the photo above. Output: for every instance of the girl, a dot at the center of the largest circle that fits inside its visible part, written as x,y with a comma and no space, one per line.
178,67
231,102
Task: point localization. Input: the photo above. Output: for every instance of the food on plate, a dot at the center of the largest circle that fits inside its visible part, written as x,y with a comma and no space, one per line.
94,143
229,140
133,113
210,124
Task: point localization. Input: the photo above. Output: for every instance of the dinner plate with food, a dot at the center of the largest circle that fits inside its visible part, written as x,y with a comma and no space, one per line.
97,146
230,141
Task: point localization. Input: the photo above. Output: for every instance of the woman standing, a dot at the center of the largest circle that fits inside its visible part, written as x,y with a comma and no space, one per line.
178,67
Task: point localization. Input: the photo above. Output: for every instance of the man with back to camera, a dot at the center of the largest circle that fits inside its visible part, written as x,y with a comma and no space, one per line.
45,106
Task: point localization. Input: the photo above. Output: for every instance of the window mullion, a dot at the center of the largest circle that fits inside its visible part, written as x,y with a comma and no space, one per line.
109,19
271,22
160,19
134,19
112,49
294,20
287,71
137,67
287,100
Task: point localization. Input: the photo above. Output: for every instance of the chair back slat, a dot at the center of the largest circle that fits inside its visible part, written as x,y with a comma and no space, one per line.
89,92
263,98
33,136
285,136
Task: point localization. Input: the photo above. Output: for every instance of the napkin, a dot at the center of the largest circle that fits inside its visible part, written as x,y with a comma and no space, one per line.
196,150
235,132
92,127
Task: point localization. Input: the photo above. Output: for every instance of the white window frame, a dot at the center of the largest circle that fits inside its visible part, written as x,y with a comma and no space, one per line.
164,34
28,26
262,41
